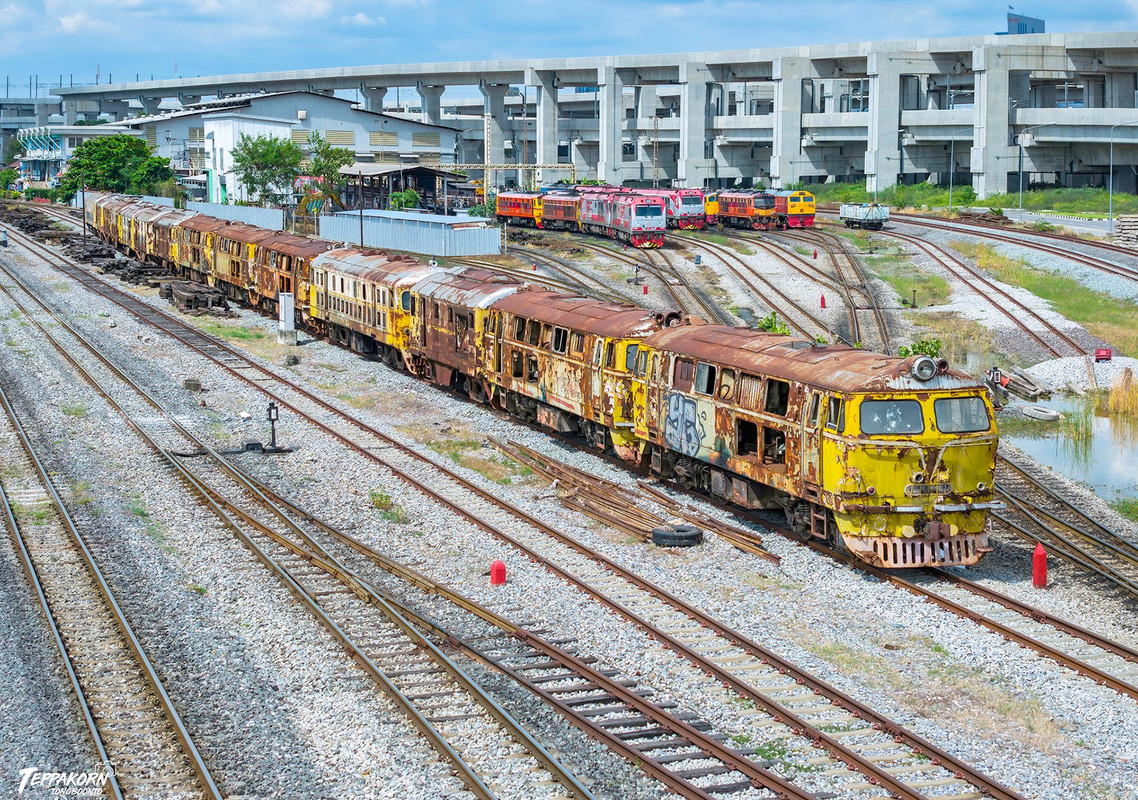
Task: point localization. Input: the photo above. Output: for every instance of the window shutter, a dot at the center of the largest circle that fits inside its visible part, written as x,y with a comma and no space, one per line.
383,138
300,137
425,139
340,138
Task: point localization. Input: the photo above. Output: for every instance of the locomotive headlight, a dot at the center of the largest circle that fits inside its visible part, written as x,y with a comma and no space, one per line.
924,368
879,522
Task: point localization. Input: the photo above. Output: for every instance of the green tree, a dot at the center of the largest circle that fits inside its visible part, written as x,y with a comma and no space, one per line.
928,347
8,176
11,150
326,162
119,163
408,198
266,166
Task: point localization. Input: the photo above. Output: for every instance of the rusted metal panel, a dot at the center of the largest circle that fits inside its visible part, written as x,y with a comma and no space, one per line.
583,314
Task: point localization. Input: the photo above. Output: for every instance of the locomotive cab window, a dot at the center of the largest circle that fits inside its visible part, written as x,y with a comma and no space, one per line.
406,301
630,357
778,397
891,417
560,340
520,329
517,364
534,332
774,446
961,415
610,355
578,343
836,414
641,363
815,410
705,378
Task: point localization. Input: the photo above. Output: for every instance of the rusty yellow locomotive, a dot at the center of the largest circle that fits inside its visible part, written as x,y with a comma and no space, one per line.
891,459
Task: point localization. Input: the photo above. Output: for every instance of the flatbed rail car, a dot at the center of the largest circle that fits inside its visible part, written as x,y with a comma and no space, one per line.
794,209
871,216
892,459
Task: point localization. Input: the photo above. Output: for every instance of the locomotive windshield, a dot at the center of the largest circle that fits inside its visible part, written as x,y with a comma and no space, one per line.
961,415
649,211
691,202
891,417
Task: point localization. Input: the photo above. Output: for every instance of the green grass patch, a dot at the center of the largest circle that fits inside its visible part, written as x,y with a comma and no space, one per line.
915,196
1107,317
388,508
81,494
899,272
73,410
233,332
1026,427
1126,506
138,507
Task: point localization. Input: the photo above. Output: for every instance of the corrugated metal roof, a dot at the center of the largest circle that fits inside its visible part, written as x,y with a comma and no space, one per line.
581,313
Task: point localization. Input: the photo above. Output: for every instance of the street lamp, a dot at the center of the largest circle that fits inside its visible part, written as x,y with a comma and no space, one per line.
1019,141
1110,175
952,162
877,173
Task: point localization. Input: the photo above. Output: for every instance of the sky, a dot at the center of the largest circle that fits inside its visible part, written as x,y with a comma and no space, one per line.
120,39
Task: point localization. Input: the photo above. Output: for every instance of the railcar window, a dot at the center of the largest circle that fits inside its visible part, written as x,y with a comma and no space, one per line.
534,332
517,364
641,363
815,409
726,384
531,368
750,391
774,446
610,355
630,357
547,336
450,315
436,312
961,415
778,397
836,414
683,375
705,378
406,301
891,417
746,437
578,342
520,329
560,340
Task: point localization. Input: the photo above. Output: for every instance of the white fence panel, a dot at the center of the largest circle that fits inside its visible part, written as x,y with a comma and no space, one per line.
272,218
414,236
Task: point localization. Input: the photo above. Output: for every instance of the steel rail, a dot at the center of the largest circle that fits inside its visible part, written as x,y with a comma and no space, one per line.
147,669
112,786
220,506
857,709
977,277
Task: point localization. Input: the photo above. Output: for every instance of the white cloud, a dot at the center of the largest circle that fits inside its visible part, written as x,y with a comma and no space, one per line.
306,9
79,22
362,19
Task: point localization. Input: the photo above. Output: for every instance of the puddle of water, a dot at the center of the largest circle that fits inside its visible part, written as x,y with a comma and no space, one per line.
1106,460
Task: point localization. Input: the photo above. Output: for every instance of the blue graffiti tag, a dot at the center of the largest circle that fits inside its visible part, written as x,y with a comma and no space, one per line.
683,428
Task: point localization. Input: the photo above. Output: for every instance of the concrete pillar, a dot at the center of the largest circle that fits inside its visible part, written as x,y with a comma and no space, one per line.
117,109
547,131
883,148
432,102
647,101
189,99
787,118
149,105
610,126
43,113
693,164
70,112
990,150
1121,88
494,104
373,97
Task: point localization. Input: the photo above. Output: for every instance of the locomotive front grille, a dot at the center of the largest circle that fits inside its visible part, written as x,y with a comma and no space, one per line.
895,552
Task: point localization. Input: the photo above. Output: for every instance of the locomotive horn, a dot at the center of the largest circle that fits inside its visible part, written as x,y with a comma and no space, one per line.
941,366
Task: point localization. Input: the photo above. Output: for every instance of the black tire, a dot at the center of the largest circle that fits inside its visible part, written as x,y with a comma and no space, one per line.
677,536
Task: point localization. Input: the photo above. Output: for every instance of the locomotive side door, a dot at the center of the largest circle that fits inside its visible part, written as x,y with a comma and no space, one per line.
596,378
811,439
653,411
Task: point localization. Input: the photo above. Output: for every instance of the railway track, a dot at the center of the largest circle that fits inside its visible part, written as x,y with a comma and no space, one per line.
793,706
838,253
766,291
1015,311
1038,514
1022,238
143,746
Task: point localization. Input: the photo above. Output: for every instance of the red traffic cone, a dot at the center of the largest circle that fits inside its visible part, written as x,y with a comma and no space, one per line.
823,301
1039,567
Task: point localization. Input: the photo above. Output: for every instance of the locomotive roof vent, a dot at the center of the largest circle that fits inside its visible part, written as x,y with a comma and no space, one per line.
924,368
